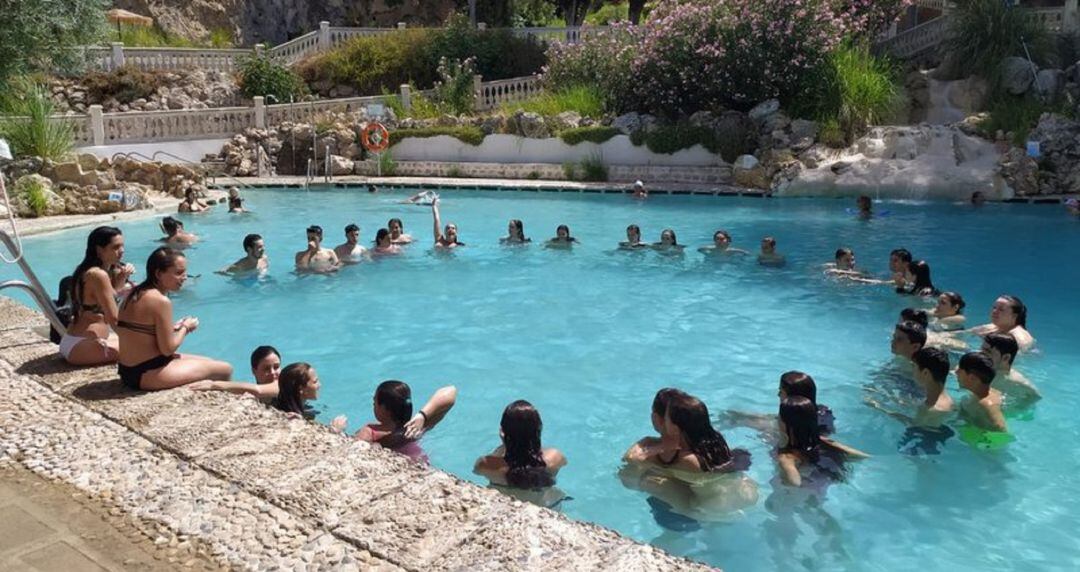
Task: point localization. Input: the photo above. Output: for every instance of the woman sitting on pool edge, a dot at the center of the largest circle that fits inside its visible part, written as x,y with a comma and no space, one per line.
176,236
562,238
149,338
804,456
521,462
515,233
265,367
668,242
633,239
1008,315
298,383
397,232
721,245
397,428
450,238
93,293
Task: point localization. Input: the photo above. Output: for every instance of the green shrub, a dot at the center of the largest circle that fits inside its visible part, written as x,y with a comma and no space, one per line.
596,134
984,32
569,169
454,172
466,134
668,139
221,38
28,125
454,90
125,85
263,75
593,169
608,14
831,134
1016,116
533,175
587,101
387,164
44,35
35,198
155,37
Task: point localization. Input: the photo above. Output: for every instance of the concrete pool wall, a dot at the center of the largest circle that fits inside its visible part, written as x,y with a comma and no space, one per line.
261,491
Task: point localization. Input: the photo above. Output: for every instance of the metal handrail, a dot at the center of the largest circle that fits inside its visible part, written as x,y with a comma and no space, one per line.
34,287
199,165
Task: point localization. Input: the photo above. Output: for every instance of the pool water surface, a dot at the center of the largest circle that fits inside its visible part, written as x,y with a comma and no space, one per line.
589,335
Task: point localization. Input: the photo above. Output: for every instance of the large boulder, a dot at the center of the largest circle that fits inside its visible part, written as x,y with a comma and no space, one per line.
764,109
493,124
340,166
103,180
1049,83
566,120
67,173
532,125
1020,172
1017,74
33,196
803,134
627,123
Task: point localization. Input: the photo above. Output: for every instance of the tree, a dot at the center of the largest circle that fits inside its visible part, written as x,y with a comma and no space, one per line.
636,7
574,11
40,35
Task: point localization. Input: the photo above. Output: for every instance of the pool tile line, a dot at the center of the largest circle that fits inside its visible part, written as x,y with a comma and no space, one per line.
365,499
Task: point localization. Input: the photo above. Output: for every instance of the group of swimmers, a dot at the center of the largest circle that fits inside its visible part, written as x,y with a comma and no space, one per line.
147,339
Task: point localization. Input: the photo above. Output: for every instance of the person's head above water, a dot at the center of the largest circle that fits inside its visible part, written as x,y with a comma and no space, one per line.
794,383
768,245
721,239
845,258
949,304
516,229
352,234
978,198
171,226
1008,312
975,371
931,364
254,246
633,234
382,238
562,232
314,234
667,238
520,429
660,407
899,259
920,273
393,403
799,426
688,418
395,227
265,364
1002,349
865,204
189,195
297,384
916,315
908,338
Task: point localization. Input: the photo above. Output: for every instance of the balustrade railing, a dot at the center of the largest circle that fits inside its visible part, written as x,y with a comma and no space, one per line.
297,48
148,126
495,93
913,42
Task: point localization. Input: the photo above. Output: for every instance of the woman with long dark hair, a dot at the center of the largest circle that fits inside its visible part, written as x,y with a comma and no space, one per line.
175,235
297,384
1008,315
149,338
803,453
92,294
633,239
699,447
792,384
521,462
515,233
265,368
918,273
384,244
948,314
397,428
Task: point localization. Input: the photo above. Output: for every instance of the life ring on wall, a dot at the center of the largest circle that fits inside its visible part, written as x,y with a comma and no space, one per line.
375,137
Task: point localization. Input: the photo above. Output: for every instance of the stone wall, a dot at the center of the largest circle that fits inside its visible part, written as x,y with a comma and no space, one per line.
181,89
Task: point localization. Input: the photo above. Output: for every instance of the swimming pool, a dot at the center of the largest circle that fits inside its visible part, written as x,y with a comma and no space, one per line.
588,336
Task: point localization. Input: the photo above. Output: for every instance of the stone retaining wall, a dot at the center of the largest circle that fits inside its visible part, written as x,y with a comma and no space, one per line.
264,492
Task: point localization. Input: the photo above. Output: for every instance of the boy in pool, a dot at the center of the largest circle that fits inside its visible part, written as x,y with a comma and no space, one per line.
926,429
769,256
315,258
1002,349
254,261
350,251
983,407
908,337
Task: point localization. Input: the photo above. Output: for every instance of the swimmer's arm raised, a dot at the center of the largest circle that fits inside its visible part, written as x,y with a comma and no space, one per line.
437,222
432,412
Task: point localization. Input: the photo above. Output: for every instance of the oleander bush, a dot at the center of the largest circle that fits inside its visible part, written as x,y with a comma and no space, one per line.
601,61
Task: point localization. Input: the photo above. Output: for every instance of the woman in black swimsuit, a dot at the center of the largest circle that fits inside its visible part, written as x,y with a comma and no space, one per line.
149,338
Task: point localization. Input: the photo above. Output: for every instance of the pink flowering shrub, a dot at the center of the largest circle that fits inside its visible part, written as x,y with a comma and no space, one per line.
600,60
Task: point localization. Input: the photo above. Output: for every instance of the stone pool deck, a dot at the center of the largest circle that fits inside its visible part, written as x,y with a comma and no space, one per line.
235,482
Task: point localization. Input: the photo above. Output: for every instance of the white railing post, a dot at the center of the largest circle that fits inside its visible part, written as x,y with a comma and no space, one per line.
401,25
97,125
324,36
260,112
478,93
117,55
260,50
406,97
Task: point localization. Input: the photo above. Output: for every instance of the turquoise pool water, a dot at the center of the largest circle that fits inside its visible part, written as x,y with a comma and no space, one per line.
588,336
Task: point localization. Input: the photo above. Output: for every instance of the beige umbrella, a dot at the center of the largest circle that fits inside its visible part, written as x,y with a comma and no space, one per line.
125,17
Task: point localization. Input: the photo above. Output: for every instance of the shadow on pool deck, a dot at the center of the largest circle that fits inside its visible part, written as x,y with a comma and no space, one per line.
366,499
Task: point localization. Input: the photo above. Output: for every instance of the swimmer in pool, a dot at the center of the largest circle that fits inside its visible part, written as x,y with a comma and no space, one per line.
175,235
397,232
982,407
447,239
639,190
383,245
315,258
668,242
1013,385
562,238
933,338
948,314
515,233
1072,206
769,256
931,373
721,245
916,315
192,203
916,280
423,198
254,259
236,203
978,199
804,457
1008,315
350,251
297,384
899,259
633,239
792,383
521,462
908,338
265,367
843,267
396,427
865,207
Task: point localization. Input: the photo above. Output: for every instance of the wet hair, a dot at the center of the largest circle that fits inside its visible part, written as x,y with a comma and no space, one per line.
914,332
381,234
723,233
250,240
956,300
159,260
100,237
935,360
351,228
1018,308
769,240
563,227
800,418
842,252
921,271
674,240
315,229
902,254
864,199
395,397
519,227
915,315
797,383
391,222
171,225
290,385
1003,343
524,456
691,416
635,228
261,353
976,196
663,398
189,194
371,188
978,364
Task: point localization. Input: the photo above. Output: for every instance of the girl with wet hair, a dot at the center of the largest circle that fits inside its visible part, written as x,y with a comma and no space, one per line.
804,456
915,315
192,204
265,368
298,384
918,272
948,314
700,446
444,238
92,291
721,245
397,428
633,239
521,461
515,233
562,238
384,244
792,384
668,242
1008,315
397,232
175,235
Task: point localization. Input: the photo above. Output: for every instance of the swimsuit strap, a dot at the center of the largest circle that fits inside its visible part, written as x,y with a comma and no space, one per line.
671,461
147,329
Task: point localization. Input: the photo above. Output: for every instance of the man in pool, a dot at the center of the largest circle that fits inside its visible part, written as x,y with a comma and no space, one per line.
254,261
927,429
865,206
899,260
639,190
769,256
1002,349
908,337
722,245
350,251
316,258
983,407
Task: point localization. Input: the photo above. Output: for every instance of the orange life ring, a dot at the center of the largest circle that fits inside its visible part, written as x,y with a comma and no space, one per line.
375,137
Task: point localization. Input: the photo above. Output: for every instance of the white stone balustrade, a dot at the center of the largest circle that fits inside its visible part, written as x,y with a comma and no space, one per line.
492,94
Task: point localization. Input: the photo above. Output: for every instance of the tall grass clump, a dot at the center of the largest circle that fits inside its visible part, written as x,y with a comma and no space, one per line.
586,100
27,123
593,169
984,32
